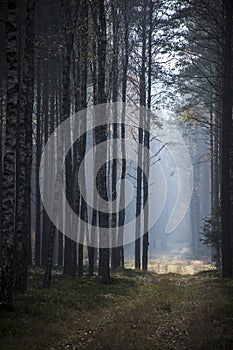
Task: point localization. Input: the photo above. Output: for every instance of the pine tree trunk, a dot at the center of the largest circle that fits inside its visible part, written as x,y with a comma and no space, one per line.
1,154
125,60
70,255
83,105
38,157
100,136
146,163
92,250
58,118
70,246
142,116
115,252
45,218
226,133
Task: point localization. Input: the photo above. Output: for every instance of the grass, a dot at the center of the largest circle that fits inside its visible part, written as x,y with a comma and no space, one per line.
137,311
175,265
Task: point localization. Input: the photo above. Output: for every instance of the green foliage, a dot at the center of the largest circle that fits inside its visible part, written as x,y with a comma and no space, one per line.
211,232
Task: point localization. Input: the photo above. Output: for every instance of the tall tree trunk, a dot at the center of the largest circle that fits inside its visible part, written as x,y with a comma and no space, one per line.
101,135
142,116
1,154
70,255
29,81
92,251
38,157
226,133
46,221
146,162
20,244
115,252
8,185
71,246
213,189
58,118
125,59
83,105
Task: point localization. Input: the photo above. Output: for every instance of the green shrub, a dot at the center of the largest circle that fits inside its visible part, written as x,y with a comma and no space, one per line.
212,233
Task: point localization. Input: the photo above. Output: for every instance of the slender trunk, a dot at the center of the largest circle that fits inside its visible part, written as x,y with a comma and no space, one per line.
38,156
142,116
126,4
115,252
29,57
1,154
146,163
226,133
46,221
212,172
101,134
58,118
20,243
92,251
70,258
70,246
125,60
83,105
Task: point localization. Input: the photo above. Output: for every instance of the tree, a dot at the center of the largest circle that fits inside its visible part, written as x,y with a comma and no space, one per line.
70,258
212,233
29,82
38,157
70,248
226,143
104,268
8,186
82,67
22,243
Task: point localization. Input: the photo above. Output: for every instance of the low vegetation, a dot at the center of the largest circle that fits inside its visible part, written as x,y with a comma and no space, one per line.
136,311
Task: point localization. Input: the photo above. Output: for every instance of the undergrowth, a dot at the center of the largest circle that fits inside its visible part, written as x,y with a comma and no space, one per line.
138,310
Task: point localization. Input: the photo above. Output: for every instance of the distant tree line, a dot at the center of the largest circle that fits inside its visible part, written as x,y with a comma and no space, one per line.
206,81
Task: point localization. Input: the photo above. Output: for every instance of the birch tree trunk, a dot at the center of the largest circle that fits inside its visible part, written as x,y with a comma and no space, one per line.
8,185
20,241
29,82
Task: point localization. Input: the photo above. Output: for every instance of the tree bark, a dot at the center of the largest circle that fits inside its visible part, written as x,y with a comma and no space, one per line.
38,157
101,135
146,163
20,241
8,185
29,81
142,116
226,133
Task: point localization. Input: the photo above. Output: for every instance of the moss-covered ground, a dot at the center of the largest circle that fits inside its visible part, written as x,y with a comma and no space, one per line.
136,311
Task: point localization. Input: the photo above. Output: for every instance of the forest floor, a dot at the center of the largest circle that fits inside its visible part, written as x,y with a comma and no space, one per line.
136,311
